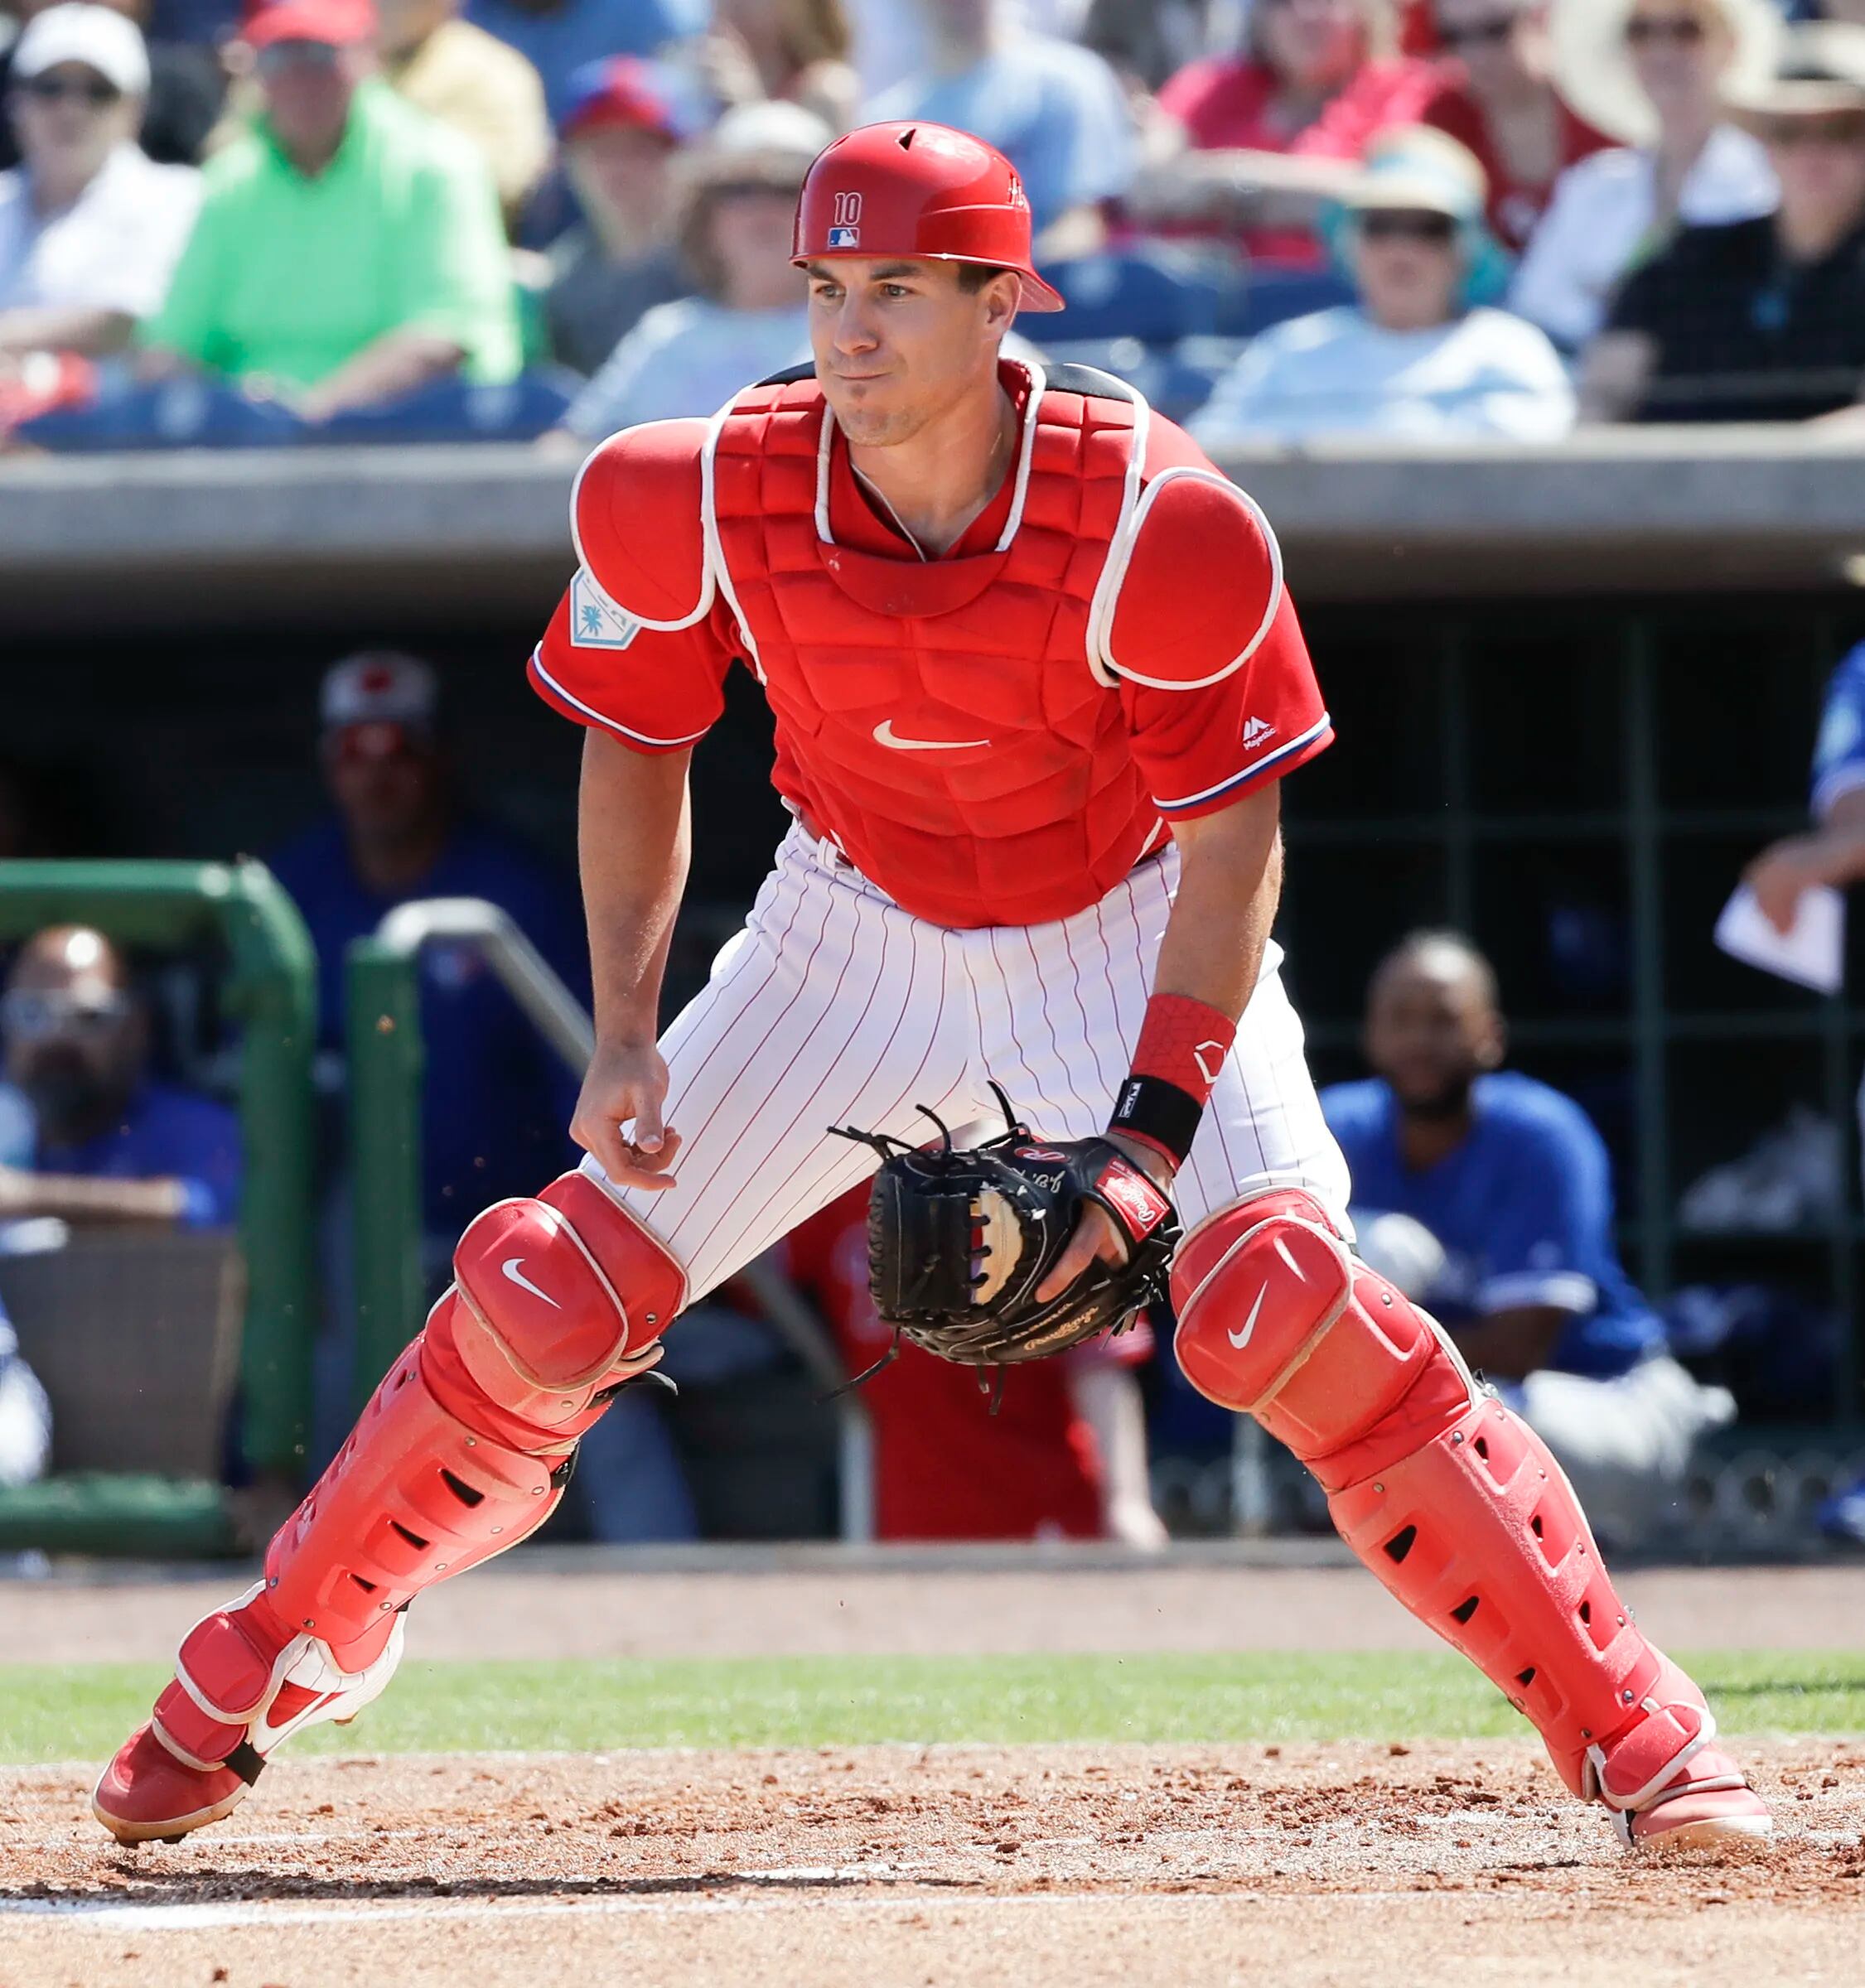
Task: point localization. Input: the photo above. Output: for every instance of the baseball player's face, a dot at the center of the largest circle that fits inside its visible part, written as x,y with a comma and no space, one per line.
1432,1030
898,342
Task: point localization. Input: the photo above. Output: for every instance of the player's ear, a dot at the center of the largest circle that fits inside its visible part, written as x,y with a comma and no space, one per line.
1493,1046
1001,297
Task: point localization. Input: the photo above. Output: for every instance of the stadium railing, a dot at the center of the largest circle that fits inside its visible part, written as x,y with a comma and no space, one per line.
387,1062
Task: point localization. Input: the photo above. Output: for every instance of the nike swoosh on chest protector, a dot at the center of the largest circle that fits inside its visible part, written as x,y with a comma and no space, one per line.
884,736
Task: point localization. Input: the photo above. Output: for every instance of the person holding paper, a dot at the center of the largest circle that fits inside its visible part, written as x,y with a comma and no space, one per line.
1514,1186
1835,852
1833,856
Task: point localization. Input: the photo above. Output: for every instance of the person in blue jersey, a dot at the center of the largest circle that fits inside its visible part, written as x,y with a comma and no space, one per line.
496,1100
1832,853
1510,1185
110,1142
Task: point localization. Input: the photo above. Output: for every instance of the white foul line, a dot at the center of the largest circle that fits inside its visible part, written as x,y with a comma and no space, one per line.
112,1917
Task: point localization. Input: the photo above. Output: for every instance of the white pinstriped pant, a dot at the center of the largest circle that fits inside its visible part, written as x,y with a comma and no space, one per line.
834,1006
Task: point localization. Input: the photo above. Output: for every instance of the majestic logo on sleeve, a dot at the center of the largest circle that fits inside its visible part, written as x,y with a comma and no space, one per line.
596,620
1257,733
845,229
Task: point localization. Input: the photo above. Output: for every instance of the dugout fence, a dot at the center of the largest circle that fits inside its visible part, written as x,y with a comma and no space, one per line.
142,1317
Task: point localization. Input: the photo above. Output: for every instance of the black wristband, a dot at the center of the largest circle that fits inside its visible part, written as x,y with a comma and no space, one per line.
1157,1111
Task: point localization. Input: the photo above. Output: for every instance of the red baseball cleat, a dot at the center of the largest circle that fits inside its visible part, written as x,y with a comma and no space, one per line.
243,1683
147,1795
1708,1805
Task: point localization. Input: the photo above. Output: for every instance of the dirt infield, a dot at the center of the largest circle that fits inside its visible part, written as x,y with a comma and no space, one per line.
939,1867
1336,1866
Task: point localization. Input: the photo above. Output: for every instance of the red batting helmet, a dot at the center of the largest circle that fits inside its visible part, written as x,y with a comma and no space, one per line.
922,190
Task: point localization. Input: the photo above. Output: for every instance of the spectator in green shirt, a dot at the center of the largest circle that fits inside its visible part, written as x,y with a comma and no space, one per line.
348,248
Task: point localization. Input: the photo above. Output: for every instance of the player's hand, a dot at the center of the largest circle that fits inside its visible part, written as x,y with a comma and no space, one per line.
1096,1239
618,1118
1782,874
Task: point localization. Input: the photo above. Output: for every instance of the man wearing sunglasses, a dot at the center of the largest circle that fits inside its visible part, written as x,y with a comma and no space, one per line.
89,229
1759,320
111,1144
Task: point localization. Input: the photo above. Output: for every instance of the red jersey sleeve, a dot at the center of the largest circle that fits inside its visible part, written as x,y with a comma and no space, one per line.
641,640
1204,643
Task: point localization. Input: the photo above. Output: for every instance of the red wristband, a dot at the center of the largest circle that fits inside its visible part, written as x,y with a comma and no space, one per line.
1183,1046
1184,1041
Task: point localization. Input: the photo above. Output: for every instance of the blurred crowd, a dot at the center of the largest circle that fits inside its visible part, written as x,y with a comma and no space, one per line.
423,218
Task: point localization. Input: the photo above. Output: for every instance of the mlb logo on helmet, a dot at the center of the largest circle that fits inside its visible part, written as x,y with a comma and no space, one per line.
845,227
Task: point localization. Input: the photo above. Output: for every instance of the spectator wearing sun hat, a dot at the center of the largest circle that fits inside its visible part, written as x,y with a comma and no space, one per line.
1655,69
1418,355
625,120
735,202
350,249
89,229
1760,320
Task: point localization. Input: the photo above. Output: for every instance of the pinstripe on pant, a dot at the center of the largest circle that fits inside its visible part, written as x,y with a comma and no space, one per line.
834,1006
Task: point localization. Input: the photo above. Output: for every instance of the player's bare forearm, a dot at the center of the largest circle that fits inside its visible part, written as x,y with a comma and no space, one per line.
1230,880
634,841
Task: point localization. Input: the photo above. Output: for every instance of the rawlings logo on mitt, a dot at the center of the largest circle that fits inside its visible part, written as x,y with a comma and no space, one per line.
960,1239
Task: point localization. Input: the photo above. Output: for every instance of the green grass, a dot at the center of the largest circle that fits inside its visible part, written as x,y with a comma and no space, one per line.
82,1712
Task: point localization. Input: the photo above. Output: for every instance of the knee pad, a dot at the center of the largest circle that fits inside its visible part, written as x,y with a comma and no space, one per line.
1278,1320
555,1298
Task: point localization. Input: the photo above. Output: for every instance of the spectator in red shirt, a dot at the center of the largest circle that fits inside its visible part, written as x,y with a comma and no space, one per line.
1273,128
1063,1458
1501,101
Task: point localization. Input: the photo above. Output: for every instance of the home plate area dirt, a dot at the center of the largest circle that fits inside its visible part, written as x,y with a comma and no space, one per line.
905,1867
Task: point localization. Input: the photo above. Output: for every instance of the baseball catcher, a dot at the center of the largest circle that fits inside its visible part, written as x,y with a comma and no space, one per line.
1037,680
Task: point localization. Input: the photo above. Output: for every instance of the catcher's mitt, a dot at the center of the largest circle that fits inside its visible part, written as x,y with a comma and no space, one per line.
960,1239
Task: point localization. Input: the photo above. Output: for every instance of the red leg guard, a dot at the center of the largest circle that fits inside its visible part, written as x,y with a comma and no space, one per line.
465,1445
462,1452
1455,1504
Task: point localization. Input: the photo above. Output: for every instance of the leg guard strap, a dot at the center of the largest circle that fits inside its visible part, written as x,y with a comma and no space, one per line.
243,1682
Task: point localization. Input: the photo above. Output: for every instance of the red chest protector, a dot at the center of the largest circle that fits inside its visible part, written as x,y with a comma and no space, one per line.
940,721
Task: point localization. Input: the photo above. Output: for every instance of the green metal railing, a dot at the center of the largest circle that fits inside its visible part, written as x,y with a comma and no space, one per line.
382,1033
387,1061
271,989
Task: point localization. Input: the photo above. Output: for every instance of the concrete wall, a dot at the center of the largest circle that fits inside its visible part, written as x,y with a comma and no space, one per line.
447,536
